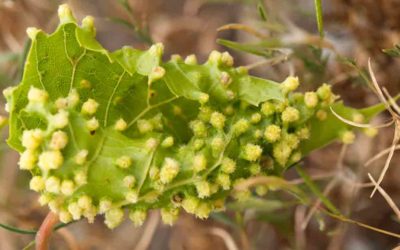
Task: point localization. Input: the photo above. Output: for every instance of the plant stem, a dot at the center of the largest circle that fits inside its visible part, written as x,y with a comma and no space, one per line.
45,231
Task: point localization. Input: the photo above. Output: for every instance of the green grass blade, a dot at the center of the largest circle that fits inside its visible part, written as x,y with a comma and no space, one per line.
318,15
313,187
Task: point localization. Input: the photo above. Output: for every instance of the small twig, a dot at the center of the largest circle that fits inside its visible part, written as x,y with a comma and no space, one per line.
396,139
269,62
148,232
386,197
225,236
243,27
381,154
45,231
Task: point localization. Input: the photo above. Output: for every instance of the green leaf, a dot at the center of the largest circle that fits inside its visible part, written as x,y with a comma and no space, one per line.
394,52
261,10
330,129
102,132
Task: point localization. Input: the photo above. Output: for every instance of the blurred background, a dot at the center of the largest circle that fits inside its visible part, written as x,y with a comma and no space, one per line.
273,39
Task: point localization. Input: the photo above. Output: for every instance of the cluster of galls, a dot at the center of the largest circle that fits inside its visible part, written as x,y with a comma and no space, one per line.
44,152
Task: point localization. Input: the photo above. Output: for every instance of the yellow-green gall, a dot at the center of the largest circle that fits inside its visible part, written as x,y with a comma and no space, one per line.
36,95
59,140
191,59
303,133
199,163
214,57
137,216
45,199
54,205
252,152
217,120
190,204
255,118
67,187
53,185
310,99
65,14
167,142
203,210
272,133
31,139
144,126
151,144
105,204
198,144
28,159
124,161
224,181
32,32
229,110
205,113
88,24
241,195
370,132
59,120
114,217
347,137
90,213
80,178
295,157
291,140
157,73
227,59
50,160
73,98
358,118
37,183
281,153
199,128
217,145
75,210
61,103
203,188
290,84
169,215
169,170
321,115
92,124
65,216
154,173
129,181
261,190
85,202
89,107
228,165
241,126
290,114
267,108
257,134
80,157
203,98
255,169
120,125
225,79
132,196
324,92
